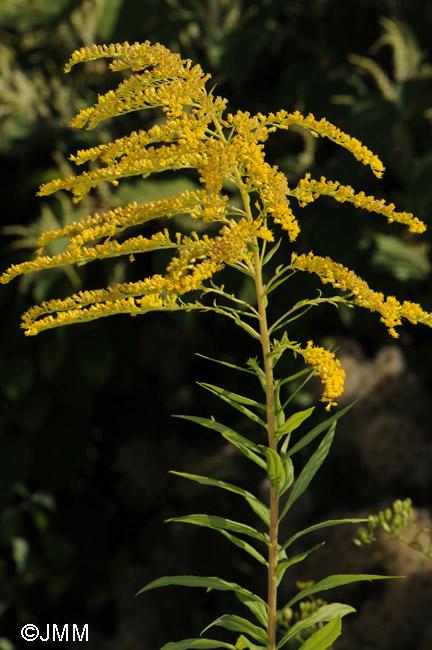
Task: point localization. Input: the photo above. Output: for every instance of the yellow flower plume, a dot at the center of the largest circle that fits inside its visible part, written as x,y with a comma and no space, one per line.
225,151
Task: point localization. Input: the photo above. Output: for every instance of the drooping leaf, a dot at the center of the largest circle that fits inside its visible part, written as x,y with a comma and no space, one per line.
233,438
248,448
237,402
310,469
323,638
323,524
324,613
239,624
220,523
333,581
257,506
245,546
253,602
257,607
201,644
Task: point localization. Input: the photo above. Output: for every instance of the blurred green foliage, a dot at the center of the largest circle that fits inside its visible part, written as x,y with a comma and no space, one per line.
86,437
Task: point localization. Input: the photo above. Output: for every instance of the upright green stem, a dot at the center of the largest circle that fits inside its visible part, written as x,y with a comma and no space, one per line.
271,415
271,430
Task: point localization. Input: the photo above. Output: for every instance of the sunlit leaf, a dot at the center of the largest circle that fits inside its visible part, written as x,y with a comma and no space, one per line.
331,582
293,422
323,524
323,638
275,470
324,613
238,624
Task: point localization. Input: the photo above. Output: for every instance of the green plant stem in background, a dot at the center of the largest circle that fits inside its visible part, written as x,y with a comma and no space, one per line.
397,525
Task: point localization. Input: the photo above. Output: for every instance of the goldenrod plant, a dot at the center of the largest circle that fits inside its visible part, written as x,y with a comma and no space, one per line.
245,205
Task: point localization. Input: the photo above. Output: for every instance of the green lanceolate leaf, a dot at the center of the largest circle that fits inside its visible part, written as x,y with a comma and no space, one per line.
257,607
331,582
323,524
325,613
225,363
317,430
271,252
324,637
280,470
245,546
274,284
201,644
293,422
257,506
275,470
238,624
244,326
285,563
310,469
279,412
289,473
247,448
299,387
220,523
243,643
237,402
252,601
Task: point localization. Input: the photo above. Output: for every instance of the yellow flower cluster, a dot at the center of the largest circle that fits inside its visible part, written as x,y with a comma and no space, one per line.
391,310
167,81
309,189
324,128
198,260
328,368
273,191
200,204
196,134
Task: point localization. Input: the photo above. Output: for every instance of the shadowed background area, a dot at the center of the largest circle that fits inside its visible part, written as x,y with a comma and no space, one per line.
86,433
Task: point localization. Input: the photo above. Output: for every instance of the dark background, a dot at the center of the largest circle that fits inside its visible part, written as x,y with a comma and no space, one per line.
87,436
